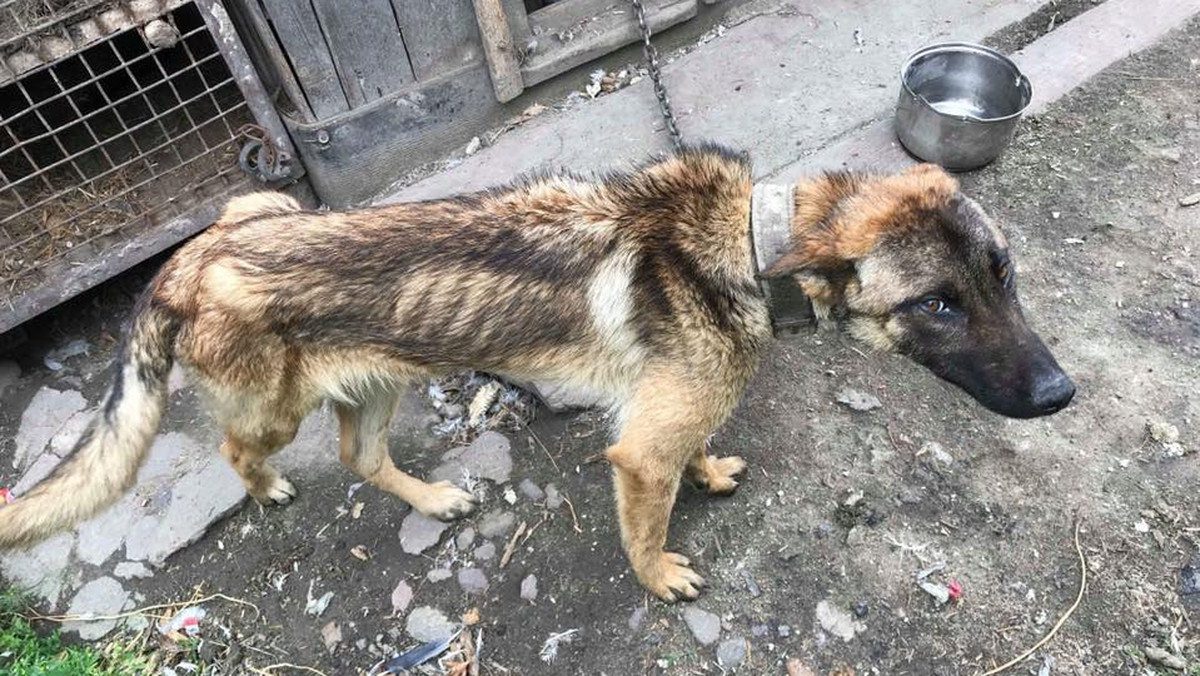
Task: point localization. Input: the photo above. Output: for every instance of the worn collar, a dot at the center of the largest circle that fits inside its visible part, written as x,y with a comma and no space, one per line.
772,206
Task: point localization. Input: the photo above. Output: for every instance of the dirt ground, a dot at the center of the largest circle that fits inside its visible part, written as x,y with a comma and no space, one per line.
1108,270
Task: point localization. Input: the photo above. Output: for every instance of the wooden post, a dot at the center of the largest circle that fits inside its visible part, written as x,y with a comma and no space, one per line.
499,49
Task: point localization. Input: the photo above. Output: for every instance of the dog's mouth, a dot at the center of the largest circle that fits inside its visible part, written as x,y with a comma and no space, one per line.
1024,382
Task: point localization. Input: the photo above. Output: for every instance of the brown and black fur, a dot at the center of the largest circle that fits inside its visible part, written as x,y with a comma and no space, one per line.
638,286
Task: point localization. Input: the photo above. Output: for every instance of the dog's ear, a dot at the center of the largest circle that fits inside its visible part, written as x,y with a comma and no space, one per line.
790,263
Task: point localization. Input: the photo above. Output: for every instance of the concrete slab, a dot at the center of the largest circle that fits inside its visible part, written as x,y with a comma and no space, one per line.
1056,63
45,416
99,598
789,84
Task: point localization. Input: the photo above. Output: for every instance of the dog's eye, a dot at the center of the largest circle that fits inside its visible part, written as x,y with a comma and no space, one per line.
1005,273
934,306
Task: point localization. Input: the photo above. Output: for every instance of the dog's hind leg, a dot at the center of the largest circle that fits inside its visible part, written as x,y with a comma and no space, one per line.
247,451
715,475
363,431
668,418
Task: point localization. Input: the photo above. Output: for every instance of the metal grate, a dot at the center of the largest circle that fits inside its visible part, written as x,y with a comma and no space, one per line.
104,141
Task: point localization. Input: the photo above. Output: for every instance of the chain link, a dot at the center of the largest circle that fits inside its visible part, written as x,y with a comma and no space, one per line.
664,102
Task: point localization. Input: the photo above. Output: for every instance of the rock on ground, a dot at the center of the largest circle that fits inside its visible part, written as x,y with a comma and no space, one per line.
496,523
419,532
705,626
472,580
837,621
529,587
858,401
531,490
41,569
465,539
45,416
488,457
102,596
731,652
438,575
402,595
429,624
132,569
485,551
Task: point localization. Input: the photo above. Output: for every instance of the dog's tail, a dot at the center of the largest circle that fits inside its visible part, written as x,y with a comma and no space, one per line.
105,460
255,204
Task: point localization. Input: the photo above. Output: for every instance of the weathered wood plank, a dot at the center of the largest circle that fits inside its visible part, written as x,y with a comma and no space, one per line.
297,27
367,48
499,49
441,36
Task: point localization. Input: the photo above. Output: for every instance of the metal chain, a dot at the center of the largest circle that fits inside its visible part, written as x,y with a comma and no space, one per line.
664,102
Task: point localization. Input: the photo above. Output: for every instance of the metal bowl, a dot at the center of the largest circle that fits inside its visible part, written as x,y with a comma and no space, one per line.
959,104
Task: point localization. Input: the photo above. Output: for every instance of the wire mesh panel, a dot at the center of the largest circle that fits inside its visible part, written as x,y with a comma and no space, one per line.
108,131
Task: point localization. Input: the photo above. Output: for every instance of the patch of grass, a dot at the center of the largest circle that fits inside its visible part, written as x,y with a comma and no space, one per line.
26,652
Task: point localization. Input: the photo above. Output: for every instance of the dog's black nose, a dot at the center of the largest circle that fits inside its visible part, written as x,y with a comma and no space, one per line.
1052,392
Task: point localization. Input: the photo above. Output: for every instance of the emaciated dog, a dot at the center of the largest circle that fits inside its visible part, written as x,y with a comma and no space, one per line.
639,285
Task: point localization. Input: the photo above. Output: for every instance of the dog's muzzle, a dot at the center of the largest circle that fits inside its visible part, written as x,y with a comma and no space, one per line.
771,208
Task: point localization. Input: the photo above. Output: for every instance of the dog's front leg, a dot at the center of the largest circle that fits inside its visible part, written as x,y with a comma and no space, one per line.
664,425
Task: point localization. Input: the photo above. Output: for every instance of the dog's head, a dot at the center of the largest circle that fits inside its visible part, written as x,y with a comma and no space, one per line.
914,266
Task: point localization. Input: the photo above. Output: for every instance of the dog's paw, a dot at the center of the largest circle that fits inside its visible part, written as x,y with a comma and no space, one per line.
277,491
671,578
446,502
717,474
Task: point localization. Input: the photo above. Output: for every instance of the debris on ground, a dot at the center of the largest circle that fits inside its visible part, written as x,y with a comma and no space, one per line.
400,664
317,606
331,634
429,624
836,621
472,581
936,451
705,626
940,592
549,651
6,495
731,652
1189,584
55,358
458,401
472,146
1190,200
1167,436
184,623
419,532
489,457
402,595
529,588
1165,659
796,668
857,400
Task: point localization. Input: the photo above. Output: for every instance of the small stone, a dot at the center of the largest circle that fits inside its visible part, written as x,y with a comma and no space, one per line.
938,453
940,592
836,621
553,499
485,551
759,630
132,569
531,490
1141,526
784,631
428,624
858,401
419,532
1190,200
473,146
331,634
637,618
438,575
1165,659
402,595
472,580
465,539
731,652
529,588
496,523
705,626
856,536
795,667
861,608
